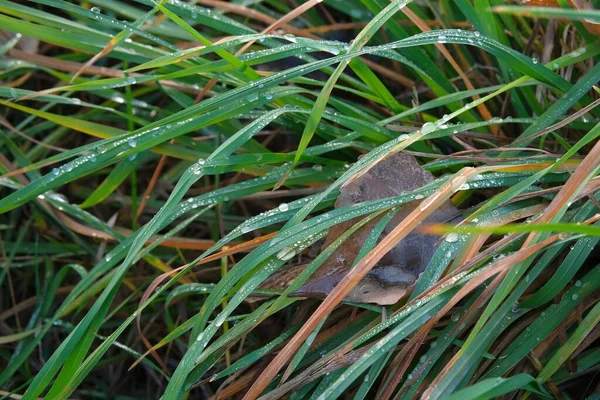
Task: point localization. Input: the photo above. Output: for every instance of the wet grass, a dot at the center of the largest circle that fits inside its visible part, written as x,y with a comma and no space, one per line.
160,161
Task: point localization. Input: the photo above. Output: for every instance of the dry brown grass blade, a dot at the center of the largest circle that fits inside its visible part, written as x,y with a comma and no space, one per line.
498,268
573,185
242,247
236,386
295,13
464,260
19,81
21,171
72,66
315,371
68,221
388,73
427,207
398,367
563,122
340,26
590,187
485,113
175,242
294,383
4,122
109,46
107,49
155,175
577,180
489,290
251,14
274,26
28,303
534,167
590,26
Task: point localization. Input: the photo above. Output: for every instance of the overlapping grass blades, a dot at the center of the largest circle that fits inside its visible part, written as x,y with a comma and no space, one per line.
288,119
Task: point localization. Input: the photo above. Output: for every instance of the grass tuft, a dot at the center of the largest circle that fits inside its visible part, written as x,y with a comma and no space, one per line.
161,160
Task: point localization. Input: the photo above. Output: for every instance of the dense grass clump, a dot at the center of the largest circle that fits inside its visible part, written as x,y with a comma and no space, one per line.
161,160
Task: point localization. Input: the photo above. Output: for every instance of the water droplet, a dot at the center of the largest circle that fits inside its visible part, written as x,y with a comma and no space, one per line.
575,296
452,237
534,60
220,319
427,128
433,344
200,337
283,207
442,39
56,171
95,9
286,253
455,317
477,34
131,143
578,283
268,95
252,97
